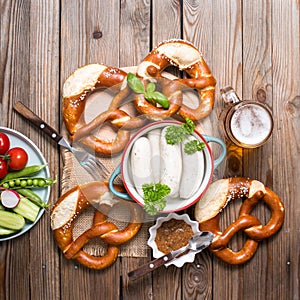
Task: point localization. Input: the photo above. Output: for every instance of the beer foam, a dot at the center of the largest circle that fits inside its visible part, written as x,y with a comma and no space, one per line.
251,124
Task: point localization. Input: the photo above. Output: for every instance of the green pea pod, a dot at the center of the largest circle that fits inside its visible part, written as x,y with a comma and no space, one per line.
32,196
27,171
27,182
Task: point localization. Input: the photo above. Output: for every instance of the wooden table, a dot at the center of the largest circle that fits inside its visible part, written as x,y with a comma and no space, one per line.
250,45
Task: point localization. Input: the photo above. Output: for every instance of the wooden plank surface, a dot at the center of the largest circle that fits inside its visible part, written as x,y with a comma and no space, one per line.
88,27
30,54
135,27
286,171
251,45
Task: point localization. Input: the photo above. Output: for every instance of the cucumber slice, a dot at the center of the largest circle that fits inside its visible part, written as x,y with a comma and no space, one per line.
11,220
6,231
27,209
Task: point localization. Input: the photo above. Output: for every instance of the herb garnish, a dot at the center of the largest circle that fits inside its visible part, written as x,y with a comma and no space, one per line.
154,197
193,146
176,134
150,93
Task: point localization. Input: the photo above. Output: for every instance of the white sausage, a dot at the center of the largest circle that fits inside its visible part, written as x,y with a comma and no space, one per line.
192,172
141,164
154,138
171,165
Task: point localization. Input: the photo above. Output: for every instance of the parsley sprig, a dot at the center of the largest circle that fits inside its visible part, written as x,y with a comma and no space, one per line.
176,134
149,93
193,146
154,197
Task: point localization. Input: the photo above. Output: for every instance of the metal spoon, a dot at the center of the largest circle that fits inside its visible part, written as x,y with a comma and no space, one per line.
197,242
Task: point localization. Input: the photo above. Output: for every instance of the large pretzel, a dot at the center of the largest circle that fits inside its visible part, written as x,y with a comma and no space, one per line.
76,90
207,213
186,57
71,204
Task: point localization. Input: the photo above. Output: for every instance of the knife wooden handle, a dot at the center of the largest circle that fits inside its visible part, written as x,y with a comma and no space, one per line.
150,266
23,110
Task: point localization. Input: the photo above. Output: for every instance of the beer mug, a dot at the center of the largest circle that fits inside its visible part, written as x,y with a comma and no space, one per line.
248,124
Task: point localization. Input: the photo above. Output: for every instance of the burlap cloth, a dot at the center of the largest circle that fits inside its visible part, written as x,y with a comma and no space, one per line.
73,175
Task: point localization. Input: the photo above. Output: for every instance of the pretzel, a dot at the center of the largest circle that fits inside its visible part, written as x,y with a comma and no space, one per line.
72,203
76,90
218,195
186,57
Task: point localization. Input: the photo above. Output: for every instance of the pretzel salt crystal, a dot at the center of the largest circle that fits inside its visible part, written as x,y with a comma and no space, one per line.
219,193
72,203
186,57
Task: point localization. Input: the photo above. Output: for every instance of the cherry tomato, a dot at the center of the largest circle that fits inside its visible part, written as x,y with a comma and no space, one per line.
18,158
4,143
3,168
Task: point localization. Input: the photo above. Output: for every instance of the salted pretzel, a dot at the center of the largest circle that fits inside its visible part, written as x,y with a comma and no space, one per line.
218,195
76,90
72,203
186,57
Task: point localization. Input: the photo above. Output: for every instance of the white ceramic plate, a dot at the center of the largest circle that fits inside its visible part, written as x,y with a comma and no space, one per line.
35,157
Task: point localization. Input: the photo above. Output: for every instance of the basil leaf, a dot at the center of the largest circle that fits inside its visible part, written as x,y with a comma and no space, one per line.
149,97
150,87
159,98
150,94
135,84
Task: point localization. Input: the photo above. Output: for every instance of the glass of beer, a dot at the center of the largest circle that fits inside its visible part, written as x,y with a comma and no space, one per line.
247,123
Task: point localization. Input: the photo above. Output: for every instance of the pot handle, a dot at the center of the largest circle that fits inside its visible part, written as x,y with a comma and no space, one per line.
209,139
113,176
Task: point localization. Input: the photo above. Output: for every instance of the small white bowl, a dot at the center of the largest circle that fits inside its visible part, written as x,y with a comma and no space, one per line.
180,261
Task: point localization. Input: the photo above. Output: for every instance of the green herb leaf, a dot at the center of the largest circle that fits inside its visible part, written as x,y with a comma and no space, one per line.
175,134
189,126
161,99
150,94
158,98
154,197
150,87
193,146
135,84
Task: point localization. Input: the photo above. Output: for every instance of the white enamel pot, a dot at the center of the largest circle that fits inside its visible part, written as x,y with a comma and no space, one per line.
176,204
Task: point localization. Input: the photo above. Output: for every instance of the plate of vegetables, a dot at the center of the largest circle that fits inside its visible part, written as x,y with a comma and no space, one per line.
24,184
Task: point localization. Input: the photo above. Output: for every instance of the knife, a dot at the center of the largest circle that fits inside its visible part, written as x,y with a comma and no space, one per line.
86,160
197,243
